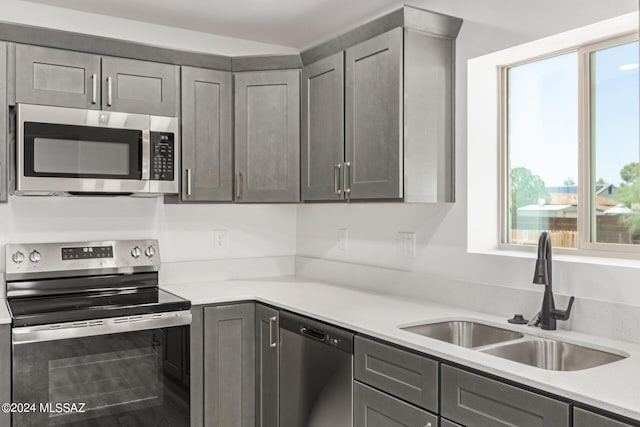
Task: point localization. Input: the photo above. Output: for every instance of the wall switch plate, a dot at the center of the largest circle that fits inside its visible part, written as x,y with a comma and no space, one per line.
220,240
407,243
343,239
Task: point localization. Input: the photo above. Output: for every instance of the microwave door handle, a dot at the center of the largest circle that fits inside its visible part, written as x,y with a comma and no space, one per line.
146,154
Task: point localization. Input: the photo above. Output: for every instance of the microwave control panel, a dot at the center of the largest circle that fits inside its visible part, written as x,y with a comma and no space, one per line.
162,156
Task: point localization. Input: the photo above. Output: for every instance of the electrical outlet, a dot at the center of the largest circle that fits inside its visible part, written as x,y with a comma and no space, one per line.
343,239
407,243
220,240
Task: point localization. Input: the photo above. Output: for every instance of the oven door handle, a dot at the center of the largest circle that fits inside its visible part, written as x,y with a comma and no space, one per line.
90,328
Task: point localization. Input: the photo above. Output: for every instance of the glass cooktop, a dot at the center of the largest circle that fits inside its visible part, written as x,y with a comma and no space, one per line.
93,305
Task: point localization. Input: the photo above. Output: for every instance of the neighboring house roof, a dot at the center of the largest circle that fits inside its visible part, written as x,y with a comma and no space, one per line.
567,195
566,211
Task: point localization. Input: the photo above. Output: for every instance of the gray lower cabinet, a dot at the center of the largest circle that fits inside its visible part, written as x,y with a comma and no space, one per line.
5,371
267,356
267,136
140,87
322,122
57,77
476,401
446,423
372,408
4,136
403,374
584,418
229,366
207,156
374,119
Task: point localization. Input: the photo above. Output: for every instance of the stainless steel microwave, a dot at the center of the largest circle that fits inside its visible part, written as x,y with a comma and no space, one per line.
69,151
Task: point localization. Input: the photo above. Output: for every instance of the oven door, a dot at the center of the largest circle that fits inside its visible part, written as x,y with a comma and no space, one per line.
72,150
135,378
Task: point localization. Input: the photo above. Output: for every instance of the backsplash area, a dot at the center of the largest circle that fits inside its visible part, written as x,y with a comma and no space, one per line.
257,239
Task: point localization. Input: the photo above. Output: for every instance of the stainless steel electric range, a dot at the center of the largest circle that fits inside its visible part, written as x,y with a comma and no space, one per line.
95,342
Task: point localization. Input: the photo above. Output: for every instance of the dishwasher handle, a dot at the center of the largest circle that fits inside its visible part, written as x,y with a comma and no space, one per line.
313,333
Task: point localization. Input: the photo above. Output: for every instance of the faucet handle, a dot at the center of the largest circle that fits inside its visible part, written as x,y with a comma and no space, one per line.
563,314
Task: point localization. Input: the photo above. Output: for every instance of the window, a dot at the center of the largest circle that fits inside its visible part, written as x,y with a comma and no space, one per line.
571,148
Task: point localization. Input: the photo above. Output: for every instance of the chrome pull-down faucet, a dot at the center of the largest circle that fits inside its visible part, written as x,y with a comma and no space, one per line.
547,317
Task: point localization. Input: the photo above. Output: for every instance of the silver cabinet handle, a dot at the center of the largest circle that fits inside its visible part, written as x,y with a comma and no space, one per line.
94,88
188,173
239,186
109,91
336,179
347,178
272,327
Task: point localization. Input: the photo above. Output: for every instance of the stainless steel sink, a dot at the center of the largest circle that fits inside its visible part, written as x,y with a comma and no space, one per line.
464,333
553,355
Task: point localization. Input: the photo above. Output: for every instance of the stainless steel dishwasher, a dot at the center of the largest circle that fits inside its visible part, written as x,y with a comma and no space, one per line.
316,373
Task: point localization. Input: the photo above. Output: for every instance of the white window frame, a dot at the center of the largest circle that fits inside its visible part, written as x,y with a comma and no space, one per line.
486,147
585,226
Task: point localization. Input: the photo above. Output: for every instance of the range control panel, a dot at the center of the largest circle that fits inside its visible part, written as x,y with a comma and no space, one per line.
162,156
28,260
86,252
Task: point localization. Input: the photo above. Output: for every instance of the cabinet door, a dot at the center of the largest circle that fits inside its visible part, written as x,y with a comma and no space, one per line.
322,124
4,145
477,401
229,367
57,77
372,408
582,418
374,102
206,135
267,353
5,372
141,87
267,132
446,423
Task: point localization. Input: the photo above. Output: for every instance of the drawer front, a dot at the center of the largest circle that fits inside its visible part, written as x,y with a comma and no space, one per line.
582,418
477,401
398,372
372,408
447,423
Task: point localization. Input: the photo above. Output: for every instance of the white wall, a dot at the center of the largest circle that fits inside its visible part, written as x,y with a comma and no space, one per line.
442,266
260,238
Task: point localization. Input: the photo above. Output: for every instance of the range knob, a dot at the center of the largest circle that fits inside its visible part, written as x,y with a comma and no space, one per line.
34,256
150,251
18,257
136,252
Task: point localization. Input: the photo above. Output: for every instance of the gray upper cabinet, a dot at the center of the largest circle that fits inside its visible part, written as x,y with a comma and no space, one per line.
57,77
322,123
373,107
267,136
476,401
398,111
4,145
583,418
63,78
229,366
207,156
139,87
267,356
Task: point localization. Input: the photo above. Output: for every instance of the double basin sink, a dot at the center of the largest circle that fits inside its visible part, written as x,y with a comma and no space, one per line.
512,345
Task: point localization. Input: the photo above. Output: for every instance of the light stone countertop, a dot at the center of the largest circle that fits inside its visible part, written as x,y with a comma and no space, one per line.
5,318
612,387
